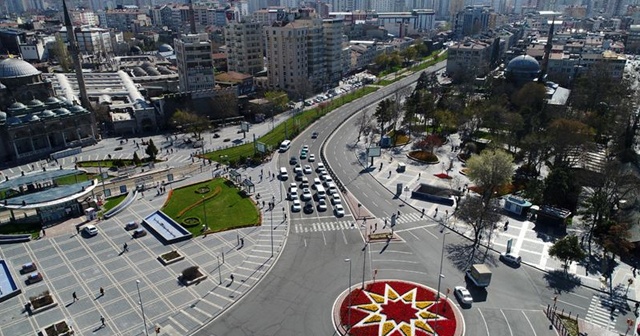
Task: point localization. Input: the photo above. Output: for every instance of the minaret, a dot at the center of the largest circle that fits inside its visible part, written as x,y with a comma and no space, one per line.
75,56
192,18
547,50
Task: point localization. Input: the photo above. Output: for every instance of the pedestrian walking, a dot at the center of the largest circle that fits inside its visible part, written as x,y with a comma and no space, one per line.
102,321
77,229
44,233
241,242
75,296
101,291
125,248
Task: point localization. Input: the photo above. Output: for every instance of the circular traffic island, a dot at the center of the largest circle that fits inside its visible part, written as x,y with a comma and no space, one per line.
396,308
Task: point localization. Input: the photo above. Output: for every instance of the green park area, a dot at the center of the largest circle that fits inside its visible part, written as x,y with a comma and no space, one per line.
287,130
112,202
222,204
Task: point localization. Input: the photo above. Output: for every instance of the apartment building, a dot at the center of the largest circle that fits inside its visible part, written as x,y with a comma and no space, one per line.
469,56
333,33
244,47
195,63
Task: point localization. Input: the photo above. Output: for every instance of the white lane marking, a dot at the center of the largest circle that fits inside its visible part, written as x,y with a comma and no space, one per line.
305,242
344,236
530,325
485,321
324,238
508,325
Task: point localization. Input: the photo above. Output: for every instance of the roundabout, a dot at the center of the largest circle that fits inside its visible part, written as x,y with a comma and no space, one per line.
396,308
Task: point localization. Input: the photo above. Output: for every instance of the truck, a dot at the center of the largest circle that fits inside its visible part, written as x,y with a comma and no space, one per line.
479,274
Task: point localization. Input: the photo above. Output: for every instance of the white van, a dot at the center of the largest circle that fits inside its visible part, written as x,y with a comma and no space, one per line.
283,173
321,193
284,146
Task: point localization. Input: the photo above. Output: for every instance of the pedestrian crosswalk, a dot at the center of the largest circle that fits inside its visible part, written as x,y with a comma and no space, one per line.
412,218
325,226
600,310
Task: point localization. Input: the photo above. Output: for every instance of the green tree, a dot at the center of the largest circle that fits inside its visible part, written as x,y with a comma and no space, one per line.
561,188
190,122
136,158
489,170
481,216
567,249
383,113
569,138
151,150
279,99
61,54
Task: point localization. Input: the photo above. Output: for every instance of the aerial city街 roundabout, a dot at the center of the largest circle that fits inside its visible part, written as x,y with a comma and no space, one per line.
396,308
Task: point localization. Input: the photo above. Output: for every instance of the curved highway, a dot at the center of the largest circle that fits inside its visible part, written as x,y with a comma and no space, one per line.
297,295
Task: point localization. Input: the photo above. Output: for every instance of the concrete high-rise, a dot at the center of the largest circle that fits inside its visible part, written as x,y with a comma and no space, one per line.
244,47
195,64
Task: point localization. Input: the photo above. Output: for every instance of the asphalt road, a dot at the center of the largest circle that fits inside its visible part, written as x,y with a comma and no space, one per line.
297,295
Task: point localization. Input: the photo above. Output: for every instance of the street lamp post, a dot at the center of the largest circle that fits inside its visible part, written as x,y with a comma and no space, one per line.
144,319
271,233
364,261
349,295
440,276
219,272
204,211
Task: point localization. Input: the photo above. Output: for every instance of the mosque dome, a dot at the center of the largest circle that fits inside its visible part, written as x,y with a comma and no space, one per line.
35,103
135,50
31,117
46,114
16,68
523,69
3,117
76,109
165,48
17,107
62,112
52,101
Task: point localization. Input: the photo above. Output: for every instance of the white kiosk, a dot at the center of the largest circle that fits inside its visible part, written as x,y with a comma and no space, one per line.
90,214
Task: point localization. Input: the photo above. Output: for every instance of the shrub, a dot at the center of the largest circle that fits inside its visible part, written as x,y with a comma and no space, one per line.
423,156
191,273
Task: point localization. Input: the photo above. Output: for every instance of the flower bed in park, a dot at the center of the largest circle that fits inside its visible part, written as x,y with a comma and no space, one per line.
398,308
443,176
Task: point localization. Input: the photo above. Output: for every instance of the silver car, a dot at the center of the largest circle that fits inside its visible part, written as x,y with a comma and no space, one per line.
463,295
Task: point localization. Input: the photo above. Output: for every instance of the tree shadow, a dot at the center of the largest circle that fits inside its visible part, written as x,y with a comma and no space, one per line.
462,256
560,281
592,264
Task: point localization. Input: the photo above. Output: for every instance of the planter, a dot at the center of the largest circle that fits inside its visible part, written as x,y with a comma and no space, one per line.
61,328
170,257
41,303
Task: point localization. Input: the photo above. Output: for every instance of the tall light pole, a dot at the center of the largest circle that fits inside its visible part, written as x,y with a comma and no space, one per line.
271,232
219,273
440,276
144,319
204,211
349,295
364,261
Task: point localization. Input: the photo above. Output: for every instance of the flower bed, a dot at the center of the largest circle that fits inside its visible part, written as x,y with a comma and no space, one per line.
423,156
42,302
398,308
443,176
58,329
170,257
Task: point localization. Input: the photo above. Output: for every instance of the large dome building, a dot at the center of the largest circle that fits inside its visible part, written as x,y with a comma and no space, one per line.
523,69
30,125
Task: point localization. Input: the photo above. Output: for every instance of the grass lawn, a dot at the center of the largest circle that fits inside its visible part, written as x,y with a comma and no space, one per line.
226,210
73,179
21,228
112,202
293,127
571,324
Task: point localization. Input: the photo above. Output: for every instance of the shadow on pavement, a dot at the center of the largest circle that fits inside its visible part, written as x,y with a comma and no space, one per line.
560,281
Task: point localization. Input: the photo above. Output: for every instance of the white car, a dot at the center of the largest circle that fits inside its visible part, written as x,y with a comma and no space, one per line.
312,158
296,206
511,259
335,199
327,179
320,168
316,183
322,205
293,193
297,169
307,169
463,295
338,210
331,189
293,185
90,230
305,148
306,194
